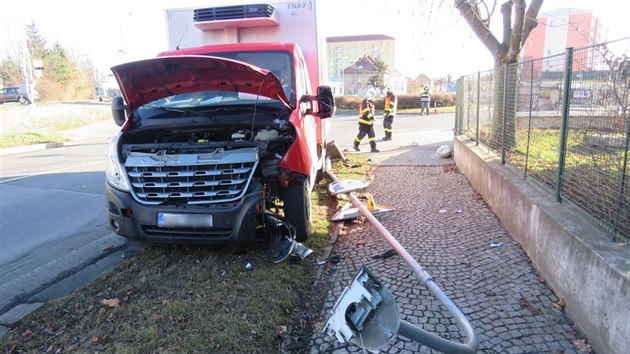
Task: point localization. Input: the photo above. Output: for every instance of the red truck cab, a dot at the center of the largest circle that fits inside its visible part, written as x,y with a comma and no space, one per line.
212,138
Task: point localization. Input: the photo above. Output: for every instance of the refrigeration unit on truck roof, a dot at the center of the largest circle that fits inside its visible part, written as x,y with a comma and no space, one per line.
281,21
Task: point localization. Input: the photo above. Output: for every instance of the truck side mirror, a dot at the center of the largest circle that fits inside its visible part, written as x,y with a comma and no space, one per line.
325,102
118,110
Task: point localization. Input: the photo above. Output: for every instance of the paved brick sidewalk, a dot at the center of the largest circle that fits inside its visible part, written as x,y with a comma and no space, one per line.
447,227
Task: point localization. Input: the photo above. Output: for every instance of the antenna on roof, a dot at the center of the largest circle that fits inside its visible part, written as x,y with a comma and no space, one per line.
182,37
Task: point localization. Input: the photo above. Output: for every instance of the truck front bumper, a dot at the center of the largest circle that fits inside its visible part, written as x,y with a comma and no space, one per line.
231,222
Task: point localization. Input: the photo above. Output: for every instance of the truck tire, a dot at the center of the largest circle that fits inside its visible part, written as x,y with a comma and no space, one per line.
297,207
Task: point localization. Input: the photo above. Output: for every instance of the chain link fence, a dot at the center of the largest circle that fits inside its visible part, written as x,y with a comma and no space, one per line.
564,122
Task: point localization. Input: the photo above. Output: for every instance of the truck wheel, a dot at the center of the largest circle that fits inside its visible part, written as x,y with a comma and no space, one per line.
22,100
297,207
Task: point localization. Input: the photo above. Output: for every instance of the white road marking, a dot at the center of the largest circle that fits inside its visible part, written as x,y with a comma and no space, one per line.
51,171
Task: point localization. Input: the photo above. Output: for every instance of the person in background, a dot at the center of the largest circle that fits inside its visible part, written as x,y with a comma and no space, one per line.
366,121
425,99
389,111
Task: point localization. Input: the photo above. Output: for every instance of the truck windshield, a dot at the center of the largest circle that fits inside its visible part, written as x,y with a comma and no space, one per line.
278,62
204,103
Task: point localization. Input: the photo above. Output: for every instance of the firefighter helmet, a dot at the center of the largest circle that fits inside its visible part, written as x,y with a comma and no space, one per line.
370,94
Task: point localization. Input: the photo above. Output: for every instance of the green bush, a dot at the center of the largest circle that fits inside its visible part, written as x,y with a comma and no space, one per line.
404,101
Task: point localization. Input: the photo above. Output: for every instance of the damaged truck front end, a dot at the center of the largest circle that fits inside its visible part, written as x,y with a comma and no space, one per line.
202,153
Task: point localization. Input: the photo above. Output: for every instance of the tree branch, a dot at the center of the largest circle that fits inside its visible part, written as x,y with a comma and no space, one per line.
506,12
477,25
531,18
516,42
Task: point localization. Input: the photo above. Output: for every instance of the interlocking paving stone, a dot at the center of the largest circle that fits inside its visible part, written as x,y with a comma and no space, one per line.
448,228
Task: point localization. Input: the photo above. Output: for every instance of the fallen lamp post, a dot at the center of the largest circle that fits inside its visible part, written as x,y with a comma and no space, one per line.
366,313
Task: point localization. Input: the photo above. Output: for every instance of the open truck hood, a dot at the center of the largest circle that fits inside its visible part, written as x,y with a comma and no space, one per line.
148,80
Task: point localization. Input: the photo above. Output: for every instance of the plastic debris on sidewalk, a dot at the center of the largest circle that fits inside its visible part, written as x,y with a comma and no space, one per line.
348,212
496,244
346,186
445,152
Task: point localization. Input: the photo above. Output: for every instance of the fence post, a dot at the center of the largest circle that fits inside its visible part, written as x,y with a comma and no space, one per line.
568,71
529,122
622,185
468,108
505,83
457,106
478,104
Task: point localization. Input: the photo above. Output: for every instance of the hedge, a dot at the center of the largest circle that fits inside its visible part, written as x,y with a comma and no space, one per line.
404,101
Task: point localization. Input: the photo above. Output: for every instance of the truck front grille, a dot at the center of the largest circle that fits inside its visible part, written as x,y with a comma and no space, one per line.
208,178
232,12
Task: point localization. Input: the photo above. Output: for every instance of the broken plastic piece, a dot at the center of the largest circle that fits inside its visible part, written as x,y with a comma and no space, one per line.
365,314
348,212
371,205
300,250
346,186
249,266
496,244
281,236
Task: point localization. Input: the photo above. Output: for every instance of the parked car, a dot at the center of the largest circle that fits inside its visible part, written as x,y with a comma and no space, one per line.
13,94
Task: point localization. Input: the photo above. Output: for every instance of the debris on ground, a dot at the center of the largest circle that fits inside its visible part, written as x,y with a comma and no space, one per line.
560,304
385,254
581,345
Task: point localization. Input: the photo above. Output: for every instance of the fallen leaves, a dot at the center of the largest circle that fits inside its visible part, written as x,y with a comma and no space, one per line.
115,302
560,304
581,345
281,331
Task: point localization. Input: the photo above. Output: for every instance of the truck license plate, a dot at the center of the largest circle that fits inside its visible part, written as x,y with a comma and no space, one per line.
184,220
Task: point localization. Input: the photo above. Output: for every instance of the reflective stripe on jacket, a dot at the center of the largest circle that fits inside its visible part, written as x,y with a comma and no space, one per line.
390,105
366,112
425,95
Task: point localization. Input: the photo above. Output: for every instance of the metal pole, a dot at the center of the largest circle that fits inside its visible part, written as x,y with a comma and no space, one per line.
622,186
410,331
457,109
468,108
478,106
505,83
529,123
568,71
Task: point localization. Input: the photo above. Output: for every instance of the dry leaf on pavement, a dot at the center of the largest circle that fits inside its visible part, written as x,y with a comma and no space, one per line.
581,345
111,302
560,304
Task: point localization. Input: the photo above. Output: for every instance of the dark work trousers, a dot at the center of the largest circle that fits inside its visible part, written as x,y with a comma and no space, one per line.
424,105
387,126
368,130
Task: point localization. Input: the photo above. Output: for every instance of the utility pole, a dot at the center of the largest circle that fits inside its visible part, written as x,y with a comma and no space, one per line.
28,83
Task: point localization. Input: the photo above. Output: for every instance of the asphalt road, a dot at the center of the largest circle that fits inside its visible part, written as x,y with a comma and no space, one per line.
52,219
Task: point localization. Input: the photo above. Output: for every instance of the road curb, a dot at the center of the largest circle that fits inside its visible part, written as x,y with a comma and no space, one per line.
30,148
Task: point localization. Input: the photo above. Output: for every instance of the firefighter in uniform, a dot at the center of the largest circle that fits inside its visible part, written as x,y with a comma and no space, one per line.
388,113
366,121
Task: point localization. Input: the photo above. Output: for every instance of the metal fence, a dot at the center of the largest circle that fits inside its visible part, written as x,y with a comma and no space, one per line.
564,122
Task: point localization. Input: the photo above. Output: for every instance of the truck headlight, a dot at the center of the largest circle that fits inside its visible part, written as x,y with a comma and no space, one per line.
114,171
